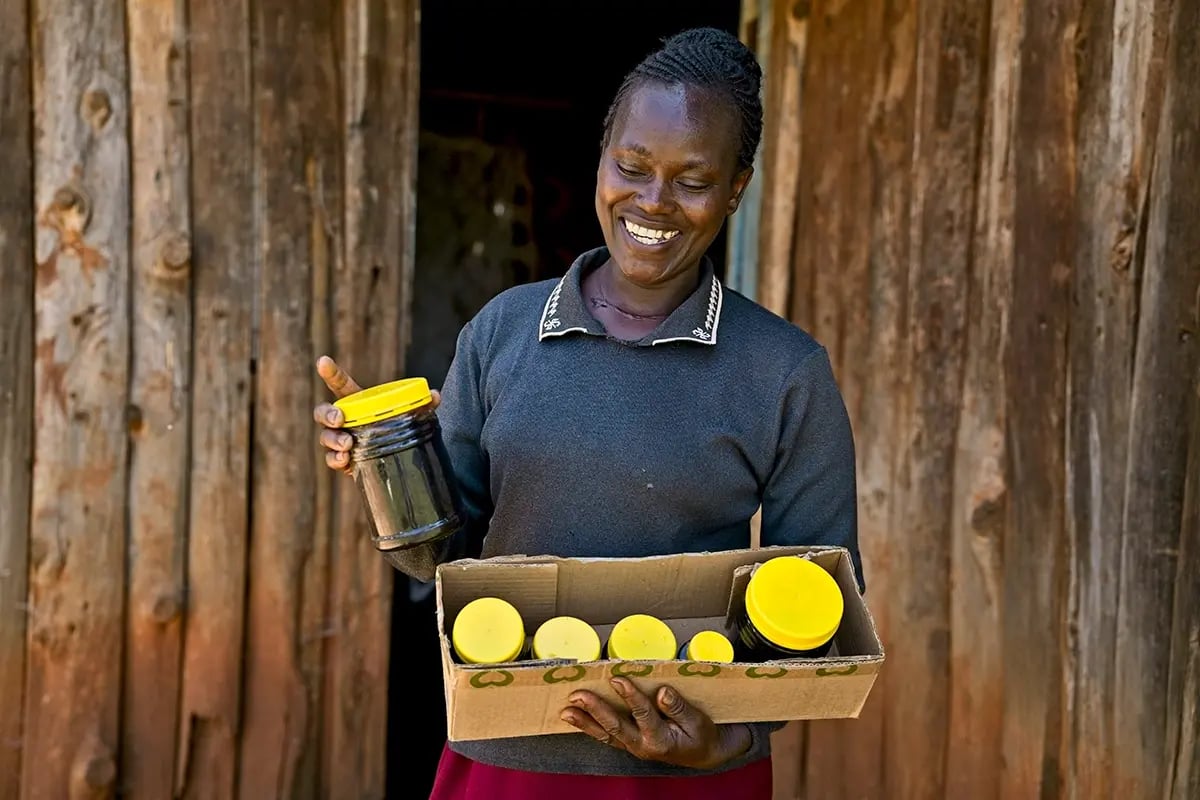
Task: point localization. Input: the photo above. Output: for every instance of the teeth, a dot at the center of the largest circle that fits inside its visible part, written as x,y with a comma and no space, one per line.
649,235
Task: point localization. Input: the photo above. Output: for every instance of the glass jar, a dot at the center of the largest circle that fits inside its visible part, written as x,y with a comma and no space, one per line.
709,646
793,609
640,637
566,637
488,630
400,464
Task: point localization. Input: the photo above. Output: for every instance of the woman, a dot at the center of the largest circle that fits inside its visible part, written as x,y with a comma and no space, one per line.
637,407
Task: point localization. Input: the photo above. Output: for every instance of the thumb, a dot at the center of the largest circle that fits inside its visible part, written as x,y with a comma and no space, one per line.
336,378
677,709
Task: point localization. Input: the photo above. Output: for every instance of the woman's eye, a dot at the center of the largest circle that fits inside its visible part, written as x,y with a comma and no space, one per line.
693,186
630,171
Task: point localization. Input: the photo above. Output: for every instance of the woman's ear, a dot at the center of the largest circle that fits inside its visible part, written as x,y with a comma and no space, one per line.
740,182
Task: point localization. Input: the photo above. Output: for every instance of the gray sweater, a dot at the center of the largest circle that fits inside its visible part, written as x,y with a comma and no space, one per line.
568,442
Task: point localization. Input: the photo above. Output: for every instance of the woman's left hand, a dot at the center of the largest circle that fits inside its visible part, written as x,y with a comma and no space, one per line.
668,729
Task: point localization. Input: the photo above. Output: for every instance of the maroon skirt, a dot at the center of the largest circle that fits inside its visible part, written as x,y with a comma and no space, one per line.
460,778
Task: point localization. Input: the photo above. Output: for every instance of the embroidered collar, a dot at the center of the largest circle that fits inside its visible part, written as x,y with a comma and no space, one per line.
696,319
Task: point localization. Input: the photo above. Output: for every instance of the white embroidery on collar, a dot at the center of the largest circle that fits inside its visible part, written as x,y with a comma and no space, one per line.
550,322
712,319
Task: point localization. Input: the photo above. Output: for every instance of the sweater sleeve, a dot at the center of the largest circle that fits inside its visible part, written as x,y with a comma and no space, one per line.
461,416
811,496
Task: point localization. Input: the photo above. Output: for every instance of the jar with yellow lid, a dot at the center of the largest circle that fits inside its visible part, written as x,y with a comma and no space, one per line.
793,609
640,637
488,630
566,637
400,464
711,646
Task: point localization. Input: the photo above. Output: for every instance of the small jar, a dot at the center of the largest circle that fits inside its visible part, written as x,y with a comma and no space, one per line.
488,630
568,638
793,609
707,646
641,637
400,464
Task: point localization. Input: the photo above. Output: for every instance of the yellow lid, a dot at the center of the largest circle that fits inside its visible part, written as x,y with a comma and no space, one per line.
710,646
566,637
794,603
384,401
488,631
641,636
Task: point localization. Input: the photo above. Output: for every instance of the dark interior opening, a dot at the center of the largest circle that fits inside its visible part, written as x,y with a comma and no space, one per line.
513,97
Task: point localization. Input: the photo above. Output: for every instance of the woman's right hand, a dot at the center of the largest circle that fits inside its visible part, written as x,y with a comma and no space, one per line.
329,416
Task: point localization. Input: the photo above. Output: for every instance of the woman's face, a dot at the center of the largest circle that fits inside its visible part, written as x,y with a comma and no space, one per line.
667,180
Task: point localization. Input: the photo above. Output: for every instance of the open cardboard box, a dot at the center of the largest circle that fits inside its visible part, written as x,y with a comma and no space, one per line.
690,592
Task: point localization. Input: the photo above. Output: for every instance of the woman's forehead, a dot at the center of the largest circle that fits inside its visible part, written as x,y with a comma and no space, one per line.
693,116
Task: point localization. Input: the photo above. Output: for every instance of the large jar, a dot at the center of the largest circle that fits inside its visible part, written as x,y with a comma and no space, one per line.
566,637
400,464
488,630
793,609
641,637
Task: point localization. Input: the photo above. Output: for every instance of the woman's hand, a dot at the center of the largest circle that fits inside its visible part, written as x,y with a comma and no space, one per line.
669,730
329,416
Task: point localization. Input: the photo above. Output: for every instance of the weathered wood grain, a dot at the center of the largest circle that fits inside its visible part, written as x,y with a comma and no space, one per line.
16,378
160,394
1164,369
1036,366
371,300
77,530
298,167
782,112
1120,89
224,273
863,323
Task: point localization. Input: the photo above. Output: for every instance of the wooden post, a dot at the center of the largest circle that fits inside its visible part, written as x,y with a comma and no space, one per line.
77,532
160,394
16,378
1163,396
299,172
224,282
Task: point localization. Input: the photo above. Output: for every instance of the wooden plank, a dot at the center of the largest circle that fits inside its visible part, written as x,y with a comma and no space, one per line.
1183,686
224,277
979,493
1120,87
862,322
1035,547
159,394
950,52
298,164
371,299
16,377
77,533
783,77
1162,403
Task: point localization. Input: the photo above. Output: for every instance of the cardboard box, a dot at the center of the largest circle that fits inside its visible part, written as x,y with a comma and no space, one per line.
690,592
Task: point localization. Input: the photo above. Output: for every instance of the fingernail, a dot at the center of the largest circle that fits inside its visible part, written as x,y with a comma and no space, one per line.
568,718
576,701
333,418
668,696
345,440
618,687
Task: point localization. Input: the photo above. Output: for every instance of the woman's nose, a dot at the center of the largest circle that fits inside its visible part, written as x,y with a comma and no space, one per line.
655,197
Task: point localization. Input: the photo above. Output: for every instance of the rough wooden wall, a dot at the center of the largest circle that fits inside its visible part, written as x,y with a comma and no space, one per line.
992,228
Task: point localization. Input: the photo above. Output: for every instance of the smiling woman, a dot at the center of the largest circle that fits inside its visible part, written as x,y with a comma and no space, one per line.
636,407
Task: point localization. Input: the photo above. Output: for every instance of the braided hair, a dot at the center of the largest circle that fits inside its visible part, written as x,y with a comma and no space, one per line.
707,58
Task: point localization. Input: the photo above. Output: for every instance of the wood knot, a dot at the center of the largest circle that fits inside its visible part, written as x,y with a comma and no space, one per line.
96,108
1121,255
94,773
165,606
176,252
73,208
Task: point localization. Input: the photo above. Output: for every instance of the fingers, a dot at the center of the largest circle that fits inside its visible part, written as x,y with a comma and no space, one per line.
645,715
437,399
337,461
336,441
680,711
336,378
328,415
601,721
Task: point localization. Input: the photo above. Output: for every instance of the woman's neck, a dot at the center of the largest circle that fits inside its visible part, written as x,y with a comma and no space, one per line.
642,302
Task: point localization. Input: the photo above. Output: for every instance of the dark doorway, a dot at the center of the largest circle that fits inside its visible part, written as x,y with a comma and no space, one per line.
513,98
